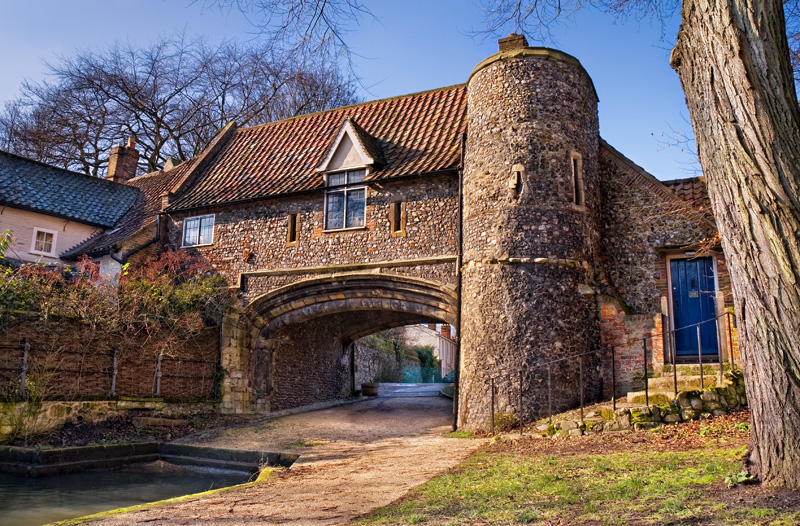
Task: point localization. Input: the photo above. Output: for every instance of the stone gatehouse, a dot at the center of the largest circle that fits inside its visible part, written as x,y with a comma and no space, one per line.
493,206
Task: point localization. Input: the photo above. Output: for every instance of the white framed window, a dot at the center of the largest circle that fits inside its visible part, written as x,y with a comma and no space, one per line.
345,205
198,230
44,242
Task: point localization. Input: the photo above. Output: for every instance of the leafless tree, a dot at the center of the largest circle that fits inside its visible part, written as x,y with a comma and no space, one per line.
172,96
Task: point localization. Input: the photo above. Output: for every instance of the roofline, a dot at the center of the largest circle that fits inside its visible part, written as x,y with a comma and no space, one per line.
684,179
655,183
306,191
71,172
351,106
533,51
54,214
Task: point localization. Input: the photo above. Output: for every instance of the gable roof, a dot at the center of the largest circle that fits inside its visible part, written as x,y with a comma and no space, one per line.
412,134
35,186
366,146
142,214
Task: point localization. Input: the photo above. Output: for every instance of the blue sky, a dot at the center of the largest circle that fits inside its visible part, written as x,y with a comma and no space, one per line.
414,45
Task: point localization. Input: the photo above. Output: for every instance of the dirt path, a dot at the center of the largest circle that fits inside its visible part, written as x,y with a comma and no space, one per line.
366,456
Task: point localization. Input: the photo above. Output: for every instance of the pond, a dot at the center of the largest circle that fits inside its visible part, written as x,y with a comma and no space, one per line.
28,501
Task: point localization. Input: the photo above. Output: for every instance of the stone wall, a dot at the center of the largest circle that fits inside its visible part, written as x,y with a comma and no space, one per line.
302,364
643,224
66,364
253,237
374,365
530,247
23,419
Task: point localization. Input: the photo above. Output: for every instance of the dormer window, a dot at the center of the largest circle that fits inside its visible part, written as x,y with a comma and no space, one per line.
345,204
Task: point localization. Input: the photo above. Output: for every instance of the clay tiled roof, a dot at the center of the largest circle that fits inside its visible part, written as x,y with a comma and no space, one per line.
139,216
692,190
39,187
414,134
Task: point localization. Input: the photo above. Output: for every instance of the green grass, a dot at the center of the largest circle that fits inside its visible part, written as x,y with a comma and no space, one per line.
304,443
460,434
640,487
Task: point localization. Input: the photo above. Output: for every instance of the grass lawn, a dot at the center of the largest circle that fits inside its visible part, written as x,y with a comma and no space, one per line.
671,475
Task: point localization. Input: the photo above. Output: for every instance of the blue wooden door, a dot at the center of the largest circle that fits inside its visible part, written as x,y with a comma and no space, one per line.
693,305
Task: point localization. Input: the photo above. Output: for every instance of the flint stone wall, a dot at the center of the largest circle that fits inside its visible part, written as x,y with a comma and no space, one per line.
253,237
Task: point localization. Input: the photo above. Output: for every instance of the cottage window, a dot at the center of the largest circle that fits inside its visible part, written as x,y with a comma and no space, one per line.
345,204
44,242
198,230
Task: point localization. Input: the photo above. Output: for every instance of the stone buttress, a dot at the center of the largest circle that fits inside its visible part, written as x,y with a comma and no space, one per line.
531,202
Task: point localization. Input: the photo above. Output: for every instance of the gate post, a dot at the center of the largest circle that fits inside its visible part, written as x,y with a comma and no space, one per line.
236,389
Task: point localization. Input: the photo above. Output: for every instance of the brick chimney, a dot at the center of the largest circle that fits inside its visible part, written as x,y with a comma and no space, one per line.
512,41
432,326
446,330
122,161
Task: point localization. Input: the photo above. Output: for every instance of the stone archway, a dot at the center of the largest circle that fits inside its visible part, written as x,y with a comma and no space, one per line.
287,347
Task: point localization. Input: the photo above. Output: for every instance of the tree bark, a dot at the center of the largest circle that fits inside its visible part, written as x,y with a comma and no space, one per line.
733,60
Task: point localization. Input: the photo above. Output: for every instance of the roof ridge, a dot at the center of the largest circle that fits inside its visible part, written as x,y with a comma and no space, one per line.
71,172
345,108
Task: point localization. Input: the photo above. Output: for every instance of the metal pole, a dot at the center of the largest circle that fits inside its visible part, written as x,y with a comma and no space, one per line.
114,373
700,358
646,381
721,367
26,347
549,395
580,381
521,423
674,353
158,374
613,379
730,338
492,406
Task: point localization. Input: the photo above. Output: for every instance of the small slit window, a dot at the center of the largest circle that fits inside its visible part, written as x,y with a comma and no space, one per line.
198,231
577,181
397,219
291,234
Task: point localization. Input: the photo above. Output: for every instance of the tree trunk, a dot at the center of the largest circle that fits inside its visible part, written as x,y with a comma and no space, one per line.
733,60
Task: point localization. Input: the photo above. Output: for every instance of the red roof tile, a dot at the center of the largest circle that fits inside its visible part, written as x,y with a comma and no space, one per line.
416,134
692,190
141,214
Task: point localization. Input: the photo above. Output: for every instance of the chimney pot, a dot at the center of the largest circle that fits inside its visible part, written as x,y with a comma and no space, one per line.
512,41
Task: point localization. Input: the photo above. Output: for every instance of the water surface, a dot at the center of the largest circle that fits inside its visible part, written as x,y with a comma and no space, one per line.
26,501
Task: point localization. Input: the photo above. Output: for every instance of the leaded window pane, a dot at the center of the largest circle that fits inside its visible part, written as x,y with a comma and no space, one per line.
355,207
356,176
337,179
334,210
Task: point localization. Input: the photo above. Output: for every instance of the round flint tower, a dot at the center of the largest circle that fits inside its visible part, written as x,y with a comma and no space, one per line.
531,202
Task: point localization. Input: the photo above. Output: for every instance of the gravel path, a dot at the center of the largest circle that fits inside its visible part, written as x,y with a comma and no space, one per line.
363,456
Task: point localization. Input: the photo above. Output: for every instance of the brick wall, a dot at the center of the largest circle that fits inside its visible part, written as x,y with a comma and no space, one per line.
72,365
